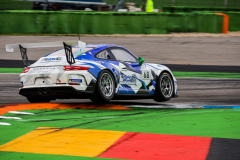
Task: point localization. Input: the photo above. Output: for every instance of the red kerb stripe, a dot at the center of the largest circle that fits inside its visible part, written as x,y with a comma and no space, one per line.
143,146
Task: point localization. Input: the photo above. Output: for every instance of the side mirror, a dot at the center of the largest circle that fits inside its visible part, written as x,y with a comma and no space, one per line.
140,61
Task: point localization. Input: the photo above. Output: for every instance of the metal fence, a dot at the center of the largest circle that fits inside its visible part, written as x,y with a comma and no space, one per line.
158,4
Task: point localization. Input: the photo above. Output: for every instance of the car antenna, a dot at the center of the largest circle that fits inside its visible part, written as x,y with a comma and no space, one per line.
78,28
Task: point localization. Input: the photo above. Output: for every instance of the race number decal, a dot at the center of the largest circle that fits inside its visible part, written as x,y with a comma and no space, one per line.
146,75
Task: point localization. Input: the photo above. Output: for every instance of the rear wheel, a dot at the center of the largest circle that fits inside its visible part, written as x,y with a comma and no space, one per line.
38,100
164,88
105,88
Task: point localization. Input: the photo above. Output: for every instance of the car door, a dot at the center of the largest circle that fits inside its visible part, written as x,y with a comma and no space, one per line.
134,78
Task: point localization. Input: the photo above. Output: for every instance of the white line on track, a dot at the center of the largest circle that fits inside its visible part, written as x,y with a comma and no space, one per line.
5,117
75,117
4,123
34,120
16,112
165,106
184,106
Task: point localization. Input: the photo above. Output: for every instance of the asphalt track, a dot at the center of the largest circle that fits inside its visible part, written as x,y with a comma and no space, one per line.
221,51
182,128
202,91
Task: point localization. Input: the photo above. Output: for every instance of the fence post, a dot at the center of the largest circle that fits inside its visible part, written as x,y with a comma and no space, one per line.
45,5
225,22
173,1
226,3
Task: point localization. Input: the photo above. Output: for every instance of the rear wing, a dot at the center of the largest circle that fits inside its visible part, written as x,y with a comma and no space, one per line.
67,46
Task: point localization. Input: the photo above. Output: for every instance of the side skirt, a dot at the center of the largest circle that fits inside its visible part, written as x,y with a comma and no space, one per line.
132,96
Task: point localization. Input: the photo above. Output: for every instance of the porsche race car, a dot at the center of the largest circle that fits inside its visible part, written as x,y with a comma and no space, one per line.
100,72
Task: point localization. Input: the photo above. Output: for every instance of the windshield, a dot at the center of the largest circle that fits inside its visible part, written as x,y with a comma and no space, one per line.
76,52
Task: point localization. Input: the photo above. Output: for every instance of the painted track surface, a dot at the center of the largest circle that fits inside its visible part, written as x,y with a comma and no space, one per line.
67,131
216,129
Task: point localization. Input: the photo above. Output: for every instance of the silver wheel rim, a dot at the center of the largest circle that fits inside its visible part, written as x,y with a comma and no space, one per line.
166,86
106,85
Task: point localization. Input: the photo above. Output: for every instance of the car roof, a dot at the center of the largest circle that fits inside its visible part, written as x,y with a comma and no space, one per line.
101,45
96,48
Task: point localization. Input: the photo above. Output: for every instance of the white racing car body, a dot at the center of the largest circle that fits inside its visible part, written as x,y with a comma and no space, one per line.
101,72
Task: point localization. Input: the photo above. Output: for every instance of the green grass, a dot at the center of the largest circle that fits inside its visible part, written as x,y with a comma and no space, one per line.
206,74
11,70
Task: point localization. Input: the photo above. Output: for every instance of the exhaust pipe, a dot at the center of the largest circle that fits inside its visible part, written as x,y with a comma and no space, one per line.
40,90
45,90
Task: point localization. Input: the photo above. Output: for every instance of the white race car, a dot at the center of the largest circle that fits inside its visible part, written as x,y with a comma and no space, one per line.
100,72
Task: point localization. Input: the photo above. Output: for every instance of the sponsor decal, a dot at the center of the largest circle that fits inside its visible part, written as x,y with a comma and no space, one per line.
43,70
129,80
52,59
75,80
21,84
37,69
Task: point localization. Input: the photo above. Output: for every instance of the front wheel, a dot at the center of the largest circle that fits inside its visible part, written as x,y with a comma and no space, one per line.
105,89
164,88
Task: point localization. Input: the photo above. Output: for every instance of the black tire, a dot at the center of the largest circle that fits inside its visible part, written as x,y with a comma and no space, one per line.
164,91
104,91
38,100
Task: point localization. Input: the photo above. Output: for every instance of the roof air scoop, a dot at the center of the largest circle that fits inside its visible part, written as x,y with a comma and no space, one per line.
81,44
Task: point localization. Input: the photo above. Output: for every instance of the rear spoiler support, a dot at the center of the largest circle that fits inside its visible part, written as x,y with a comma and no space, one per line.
67,46
69,54
24,56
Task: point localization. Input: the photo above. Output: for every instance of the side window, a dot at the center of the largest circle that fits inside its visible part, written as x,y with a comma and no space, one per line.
122,55
103,55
